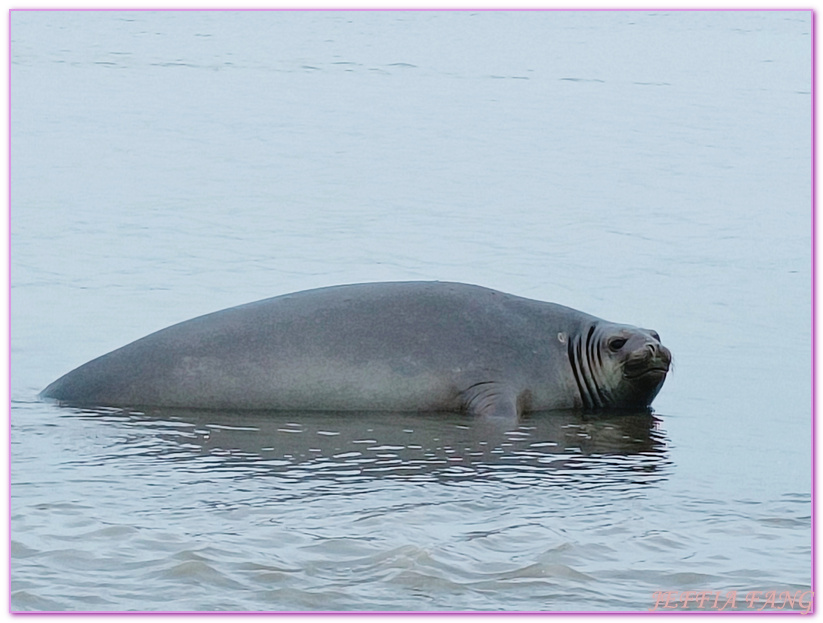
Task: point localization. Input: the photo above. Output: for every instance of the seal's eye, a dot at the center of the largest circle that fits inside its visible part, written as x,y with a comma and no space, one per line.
617,343
655,335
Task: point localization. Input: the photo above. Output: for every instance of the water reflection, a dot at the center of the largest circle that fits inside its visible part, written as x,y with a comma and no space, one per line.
557,448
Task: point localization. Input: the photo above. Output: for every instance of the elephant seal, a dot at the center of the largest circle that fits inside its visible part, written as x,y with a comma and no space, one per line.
397,346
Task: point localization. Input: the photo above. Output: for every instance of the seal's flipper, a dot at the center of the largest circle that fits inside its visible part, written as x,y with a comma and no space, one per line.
491,399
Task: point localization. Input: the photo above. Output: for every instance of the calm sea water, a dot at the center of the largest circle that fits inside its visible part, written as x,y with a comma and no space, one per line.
652,168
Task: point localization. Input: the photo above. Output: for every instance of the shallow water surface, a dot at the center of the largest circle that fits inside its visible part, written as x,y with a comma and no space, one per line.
650,168
336,511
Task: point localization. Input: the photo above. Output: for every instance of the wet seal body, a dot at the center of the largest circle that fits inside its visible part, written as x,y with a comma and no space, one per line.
398,346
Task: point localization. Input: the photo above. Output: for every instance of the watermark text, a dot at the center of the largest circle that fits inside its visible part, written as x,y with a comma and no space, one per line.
733,600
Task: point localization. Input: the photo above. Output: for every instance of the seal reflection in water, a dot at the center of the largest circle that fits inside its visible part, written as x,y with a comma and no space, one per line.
399,346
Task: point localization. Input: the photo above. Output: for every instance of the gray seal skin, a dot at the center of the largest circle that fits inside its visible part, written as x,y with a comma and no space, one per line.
398,346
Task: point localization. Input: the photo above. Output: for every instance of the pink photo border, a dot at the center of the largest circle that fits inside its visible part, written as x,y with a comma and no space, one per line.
814,309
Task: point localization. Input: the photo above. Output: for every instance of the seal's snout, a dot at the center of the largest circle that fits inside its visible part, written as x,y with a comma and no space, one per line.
665,355
658,351
649,360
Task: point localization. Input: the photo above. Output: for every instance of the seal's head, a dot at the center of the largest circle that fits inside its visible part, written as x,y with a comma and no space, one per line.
618,365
